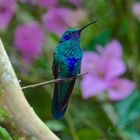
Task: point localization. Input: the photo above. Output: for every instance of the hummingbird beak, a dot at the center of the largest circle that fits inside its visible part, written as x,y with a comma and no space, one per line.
87,25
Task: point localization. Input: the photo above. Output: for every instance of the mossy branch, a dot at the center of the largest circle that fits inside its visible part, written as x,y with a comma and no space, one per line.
21,120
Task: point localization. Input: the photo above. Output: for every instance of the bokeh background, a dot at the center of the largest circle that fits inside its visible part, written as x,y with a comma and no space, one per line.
105,103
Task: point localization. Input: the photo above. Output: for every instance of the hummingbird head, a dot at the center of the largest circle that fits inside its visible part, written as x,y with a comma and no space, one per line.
73,34
70,34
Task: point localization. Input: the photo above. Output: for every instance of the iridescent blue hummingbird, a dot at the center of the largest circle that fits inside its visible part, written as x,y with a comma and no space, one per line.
66,64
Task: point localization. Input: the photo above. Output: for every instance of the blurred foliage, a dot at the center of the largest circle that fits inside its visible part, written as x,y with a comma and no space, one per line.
84,119
4,135
129,112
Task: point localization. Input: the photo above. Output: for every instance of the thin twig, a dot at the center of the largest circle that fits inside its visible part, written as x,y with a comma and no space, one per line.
54,81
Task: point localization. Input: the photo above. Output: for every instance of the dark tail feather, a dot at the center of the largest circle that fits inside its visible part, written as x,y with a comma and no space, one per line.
61,95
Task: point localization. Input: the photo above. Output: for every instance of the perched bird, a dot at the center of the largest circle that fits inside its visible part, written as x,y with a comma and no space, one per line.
66,64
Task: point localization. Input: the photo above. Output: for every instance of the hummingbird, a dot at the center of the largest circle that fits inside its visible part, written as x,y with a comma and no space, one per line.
66,64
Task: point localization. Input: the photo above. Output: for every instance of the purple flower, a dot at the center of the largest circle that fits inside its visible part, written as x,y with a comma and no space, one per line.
57,20
29,40
113,50
54,20
104,69
136,9
120,88
6,12
91,86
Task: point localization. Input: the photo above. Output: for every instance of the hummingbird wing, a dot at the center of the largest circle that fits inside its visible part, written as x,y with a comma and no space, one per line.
62,93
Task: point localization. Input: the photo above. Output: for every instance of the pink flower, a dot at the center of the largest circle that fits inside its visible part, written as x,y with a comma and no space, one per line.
6,12
91,86
29,40
120,88
57,20
136,9
54,20
112,50
73,17
104,69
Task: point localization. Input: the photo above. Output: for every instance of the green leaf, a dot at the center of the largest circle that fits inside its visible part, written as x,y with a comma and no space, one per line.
40,100
4,135
89,134
101,39
129,111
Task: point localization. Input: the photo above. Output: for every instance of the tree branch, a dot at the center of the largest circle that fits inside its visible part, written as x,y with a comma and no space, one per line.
53,81
21,120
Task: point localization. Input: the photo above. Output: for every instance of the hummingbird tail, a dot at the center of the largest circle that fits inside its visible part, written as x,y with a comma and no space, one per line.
61,95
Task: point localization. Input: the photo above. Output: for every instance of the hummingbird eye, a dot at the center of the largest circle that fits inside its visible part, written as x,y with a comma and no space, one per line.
69,33
65,38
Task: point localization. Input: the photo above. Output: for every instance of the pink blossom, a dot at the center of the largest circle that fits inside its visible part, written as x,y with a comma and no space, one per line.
136,9
104,69
6,12
54,20
112,50
29,40
57,20
89,57
73,17
91,86
114,68
120,88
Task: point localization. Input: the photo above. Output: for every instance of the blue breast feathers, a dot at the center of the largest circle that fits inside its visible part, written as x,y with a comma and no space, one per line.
71,64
